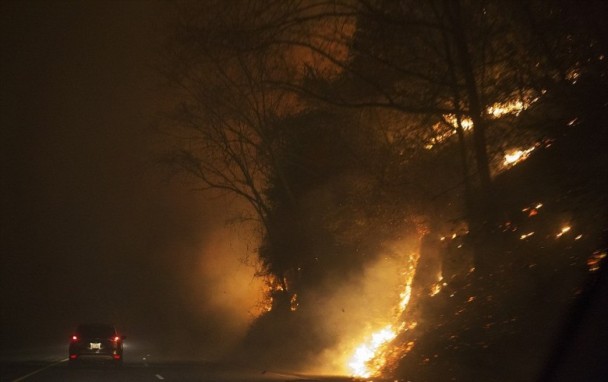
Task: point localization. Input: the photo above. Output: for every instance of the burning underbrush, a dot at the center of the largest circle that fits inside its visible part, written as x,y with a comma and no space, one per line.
448,304
520,318
342,325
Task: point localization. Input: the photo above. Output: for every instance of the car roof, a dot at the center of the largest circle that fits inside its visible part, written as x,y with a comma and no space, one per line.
95,326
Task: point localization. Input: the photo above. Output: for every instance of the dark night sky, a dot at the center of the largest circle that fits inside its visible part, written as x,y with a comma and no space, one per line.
88,225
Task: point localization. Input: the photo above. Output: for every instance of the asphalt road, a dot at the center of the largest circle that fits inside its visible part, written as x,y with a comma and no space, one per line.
50,371
33,371
51,364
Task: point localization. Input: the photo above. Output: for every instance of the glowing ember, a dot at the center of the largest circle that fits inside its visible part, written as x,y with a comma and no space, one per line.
294,303
526,235
436,288
563,231
516,156
594,261
573,75
573,122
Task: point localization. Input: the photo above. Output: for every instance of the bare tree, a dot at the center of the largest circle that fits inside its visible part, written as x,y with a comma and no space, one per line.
224,122
428,59
244,68
425,58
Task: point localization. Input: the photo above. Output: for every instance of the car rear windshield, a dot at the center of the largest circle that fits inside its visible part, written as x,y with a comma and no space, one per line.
96,330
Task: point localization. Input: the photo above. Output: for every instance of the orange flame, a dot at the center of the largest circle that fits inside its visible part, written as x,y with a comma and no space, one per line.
371,356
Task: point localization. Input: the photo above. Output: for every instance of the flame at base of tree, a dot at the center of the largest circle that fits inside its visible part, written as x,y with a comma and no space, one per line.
272,287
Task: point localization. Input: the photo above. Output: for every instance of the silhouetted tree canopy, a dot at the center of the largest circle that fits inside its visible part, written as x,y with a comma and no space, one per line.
337,119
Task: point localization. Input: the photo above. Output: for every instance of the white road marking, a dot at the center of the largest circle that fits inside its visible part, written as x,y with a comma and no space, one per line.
159,377
38,371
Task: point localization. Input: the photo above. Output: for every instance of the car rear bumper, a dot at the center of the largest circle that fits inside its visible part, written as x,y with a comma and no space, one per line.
84,353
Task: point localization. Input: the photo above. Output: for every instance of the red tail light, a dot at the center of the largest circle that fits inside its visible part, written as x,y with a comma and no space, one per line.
73,356
74,338
116,356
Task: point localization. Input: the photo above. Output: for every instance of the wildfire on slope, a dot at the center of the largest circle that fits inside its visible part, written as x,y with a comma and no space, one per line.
516,156
371,356
365,361
444,130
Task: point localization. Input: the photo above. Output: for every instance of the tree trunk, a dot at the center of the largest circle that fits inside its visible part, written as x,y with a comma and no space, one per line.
483,216
476,109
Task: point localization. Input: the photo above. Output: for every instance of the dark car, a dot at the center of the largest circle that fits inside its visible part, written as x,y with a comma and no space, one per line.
96,341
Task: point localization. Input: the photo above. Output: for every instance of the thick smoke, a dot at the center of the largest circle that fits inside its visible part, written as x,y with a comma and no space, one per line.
225,285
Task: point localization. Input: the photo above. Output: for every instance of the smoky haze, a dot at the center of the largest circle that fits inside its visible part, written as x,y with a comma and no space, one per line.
362,304
90,231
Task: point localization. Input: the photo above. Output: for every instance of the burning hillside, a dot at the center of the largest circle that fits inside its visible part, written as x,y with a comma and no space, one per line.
422,310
